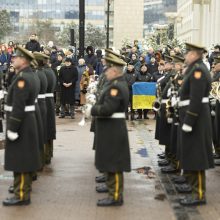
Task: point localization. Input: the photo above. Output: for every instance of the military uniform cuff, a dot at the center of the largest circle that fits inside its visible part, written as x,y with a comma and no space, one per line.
190,118
95,110
14,124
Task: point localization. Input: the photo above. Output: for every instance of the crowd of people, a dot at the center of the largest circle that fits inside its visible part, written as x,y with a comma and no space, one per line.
142,66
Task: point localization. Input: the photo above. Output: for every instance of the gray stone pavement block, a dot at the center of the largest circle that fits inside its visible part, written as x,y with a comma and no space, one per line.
66,188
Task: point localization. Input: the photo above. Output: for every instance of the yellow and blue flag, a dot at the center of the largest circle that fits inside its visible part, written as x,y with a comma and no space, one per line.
144,94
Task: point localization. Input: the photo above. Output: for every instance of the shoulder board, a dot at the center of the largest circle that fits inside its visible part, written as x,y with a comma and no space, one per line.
197,74
114,92
21,84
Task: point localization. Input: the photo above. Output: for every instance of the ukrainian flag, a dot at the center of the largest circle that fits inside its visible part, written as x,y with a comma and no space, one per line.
144,94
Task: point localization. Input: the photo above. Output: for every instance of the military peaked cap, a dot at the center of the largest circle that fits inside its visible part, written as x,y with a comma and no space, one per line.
178,59
22,52
114,59
40,56
190,47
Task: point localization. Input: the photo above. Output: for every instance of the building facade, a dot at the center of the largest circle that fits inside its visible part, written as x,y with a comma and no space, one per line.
23,12
126,21
126,18
155,12
199,21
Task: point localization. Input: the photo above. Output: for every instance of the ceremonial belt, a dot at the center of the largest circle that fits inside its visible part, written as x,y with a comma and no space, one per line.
164,101
187,102
49,95
41,96
28,108
115,115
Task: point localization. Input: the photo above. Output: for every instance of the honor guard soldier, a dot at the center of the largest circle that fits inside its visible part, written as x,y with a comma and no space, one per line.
22,155
163,128
165,124
161,84
40,58
180,181
102,178
51,118
101,85
112,146
195,121
172,111
34,65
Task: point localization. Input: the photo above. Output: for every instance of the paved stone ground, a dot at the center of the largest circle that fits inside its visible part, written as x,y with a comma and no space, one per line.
66,189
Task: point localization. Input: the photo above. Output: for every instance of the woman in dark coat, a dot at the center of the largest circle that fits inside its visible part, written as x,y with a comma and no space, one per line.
68,77
90,58
135,61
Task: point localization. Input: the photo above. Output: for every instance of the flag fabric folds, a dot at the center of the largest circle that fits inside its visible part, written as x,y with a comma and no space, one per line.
144,94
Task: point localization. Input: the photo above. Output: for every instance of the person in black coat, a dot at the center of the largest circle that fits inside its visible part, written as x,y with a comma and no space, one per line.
33,45
152,66
56,68
53,56
71,54
213,54
90,58
143,76
158,74
99,55
99,64
68,77
142,59
135,62
131,78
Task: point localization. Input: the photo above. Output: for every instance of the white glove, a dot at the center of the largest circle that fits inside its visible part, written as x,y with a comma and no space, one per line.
213,113
169,120
88,108
169,92
174,101
1,94
186,128
12,136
